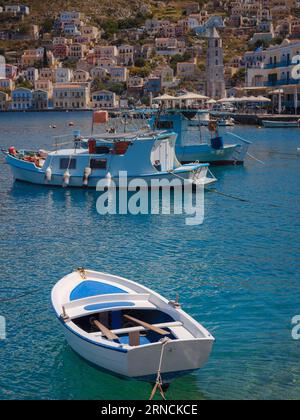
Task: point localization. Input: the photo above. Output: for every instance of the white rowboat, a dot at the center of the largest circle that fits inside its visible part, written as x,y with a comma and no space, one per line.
121,326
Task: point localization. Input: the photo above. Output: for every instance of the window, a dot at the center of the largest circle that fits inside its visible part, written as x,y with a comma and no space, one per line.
98,163
66,163
165,125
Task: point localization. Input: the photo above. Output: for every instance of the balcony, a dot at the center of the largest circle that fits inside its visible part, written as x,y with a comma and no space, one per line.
284,63
282,82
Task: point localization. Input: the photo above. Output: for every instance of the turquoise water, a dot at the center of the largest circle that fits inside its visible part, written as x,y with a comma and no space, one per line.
238,273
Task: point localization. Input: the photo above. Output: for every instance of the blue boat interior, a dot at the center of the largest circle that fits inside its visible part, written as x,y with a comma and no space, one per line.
89,288
115,320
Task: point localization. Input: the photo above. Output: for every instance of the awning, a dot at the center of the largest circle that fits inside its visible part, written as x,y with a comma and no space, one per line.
165,98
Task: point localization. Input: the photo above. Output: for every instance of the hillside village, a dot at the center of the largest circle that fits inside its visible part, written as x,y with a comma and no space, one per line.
115,57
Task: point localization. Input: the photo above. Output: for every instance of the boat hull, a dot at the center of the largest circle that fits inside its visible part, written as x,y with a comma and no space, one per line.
229,155
25,172
180,357
281,124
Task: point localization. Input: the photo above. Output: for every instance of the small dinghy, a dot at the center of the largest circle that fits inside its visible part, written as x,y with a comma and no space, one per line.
123,327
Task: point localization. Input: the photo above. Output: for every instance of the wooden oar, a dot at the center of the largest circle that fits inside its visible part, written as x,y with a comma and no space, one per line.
105,331
147,326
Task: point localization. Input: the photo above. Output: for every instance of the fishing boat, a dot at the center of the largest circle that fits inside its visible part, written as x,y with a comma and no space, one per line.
208,147
281,124
126,328
146,154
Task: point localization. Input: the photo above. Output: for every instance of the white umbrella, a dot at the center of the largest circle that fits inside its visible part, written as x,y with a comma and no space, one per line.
211,102
263,99
165,98
231,99
253,99
190,96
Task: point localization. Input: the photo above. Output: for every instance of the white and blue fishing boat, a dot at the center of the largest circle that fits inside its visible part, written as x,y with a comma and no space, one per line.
125,328
142,154
209,147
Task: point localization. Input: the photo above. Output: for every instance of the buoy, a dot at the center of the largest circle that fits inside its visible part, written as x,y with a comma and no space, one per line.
87,173
48,174
67,177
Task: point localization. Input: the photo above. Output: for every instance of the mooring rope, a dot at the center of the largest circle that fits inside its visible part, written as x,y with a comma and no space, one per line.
257,160
213,190
31,292
159,382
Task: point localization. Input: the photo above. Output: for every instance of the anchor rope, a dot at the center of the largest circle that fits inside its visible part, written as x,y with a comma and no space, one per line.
31,292
159,382
257,160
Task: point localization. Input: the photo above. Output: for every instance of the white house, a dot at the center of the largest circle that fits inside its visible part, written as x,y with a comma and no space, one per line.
63,75
104,99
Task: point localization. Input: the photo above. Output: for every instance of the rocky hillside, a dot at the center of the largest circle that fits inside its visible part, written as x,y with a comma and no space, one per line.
118,9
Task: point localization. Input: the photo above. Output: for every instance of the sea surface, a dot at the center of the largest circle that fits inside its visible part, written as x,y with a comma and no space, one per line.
237,274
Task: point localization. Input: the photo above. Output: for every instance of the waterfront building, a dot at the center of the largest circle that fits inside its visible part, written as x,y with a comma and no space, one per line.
21,99
104,99
215,81
3,101
45,86
40,100
254,58
71,96
7,84
275,73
